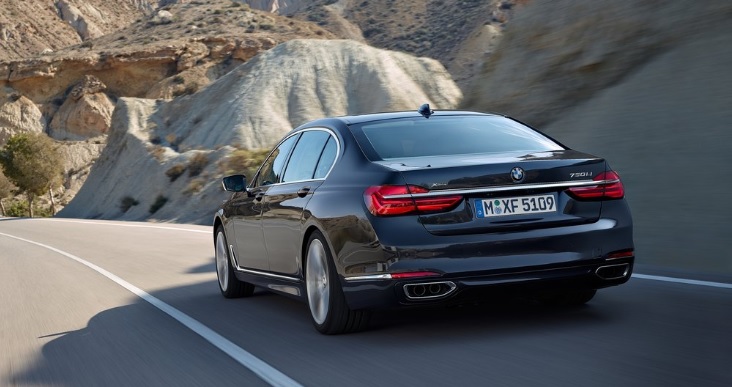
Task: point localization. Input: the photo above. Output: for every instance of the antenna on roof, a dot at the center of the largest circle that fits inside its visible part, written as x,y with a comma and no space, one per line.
425,110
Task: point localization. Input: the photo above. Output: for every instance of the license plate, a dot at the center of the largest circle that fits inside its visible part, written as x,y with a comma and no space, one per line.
487,208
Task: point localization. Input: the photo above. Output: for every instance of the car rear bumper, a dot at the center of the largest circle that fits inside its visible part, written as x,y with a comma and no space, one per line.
457,289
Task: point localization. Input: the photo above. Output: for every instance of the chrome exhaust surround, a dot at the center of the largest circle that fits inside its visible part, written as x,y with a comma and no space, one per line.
613,272
429,290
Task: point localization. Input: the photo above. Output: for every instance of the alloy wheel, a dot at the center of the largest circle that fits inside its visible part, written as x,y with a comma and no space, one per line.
317,281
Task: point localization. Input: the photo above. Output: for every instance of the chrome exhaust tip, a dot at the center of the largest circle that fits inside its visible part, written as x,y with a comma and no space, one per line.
613,272
429,290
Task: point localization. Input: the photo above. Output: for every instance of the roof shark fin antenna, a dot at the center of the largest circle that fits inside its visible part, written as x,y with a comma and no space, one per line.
425,110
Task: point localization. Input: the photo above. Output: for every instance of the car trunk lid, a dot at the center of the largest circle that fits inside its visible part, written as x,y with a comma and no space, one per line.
502,191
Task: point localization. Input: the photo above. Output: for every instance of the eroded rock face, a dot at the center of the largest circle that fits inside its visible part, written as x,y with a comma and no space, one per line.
83,25
283,7
302,80
18,114
86,113
250,107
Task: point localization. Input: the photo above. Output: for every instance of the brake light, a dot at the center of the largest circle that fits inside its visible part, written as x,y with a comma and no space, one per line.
613,190
380,201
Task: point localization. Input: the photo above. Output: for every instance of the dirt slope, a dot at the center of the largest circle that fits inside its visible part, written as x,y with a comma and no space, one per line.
645,84
460,34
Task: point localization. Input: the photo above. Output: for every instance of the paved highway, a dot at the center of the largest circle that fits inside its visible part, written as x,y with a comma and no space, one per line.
92,303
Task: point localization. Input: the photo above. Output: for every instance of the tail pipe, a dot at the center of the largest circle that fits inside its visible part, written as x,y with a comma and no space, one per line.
613,272
429,290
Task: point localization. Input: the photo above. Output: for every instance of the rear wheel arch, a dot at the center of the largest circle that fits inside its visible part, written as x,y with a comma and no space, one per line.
217,224
229,285
329,310
304,246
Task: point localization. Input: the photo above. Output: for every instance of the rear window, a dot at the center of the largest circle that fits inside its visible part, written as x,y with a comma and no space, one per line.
448,135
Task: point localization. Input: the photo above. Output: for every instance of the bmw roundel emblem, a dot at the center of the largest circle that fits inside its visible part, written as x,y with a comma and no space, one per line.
517,174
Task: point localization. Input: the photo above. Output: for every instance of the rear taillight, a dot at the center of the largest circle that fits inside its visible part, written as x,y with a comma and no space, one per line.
612,189
381,200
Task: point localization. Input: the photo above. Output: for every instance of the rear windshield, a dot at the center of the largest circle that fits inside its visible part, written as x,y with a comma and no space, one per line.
448,135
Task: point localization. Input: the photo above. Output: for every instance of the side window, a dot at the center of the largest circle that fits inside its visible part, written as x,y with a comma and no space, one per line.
271,171
326,159
305,157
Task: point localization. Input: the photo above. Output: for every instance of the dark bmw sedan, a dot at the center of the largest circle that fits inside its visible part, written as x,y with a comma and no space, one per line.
357,213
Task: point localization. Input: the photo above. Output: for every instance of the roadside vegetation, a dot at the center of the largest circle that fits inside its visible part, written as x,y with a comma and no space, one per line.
7,189
243,162
32,162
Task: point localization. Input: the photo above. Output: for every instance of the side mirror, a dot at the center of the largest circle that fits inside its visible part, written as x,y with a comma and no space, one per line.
235,183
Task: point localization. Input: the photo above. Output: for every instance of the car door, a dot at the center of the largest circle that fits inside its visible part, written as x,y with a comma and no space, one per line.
282,212
247,221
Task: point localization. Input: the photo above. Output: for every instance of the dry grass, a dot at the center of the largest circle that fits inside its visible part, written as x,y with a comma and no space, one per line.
243,161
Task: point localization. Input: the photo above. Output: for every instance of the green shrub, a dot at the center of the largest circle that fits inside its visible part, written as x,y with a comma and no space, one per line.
127,202
158,204
19,209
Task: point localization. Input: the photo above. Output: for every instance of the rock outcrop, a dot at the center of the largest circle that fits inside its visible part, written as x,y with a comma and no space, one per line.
85,114
282,7
250,107
18,114
645,84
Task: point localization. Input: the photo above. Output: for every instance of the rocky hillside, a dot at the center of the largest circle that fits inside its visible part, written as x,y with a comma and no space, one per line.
71,92
167,157
460,34
645,84
31,27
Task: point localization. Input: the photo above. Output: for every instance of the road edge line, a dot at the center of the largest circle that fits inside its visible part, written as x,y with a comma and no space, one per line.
721,285
109,223
263,370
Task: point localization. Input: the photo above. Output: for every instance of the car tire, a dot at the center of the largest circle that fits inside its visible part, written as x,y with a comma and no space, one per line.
230,286
569,298
327,303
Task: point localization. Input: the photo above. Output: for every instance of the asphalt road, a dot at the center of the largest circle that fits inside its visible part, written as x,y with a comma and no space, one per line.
66,323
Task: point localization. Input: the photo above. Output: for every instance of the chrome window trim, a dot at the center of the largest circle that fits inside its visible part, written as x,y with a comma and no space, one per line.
503,188
319,128
266,274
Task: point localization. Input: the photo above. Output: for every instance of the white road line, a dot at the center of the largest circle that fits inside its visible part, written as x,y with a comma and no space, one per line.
121,225
683,281
268,373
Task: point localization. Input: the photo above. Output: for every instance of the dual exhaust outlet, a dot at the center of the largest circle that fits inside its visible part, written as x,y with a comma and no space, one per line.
429,290
613,272
440,289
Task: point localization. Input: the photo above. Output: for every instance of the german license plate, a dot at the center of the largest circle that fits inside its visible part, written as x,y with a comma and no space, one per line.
519,205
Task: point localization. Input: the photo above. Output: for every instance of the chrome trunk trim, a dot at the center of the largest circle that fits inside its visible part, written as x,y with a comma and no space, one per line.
503,188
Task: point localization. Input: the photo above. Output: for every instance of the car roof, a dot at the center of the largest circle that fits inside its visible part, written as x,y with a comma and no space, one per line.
362,118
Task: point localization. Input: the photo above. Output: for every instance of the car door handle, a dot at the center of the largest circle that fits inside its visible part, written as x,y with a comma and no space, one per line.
258,197
302,192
